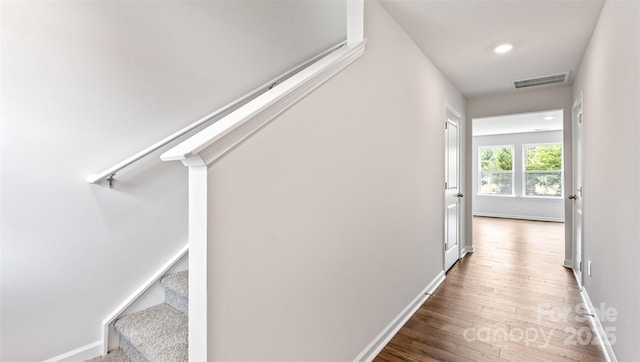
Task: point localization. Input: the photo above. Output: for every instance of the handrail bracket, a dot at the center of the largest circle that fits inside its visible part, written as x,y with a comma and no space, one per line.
110,179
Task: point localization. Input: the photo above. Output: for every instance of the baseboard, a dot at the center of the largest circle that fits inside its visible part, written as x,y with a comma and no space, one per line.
378,343
466,250
106,323
567,263
597,327
79,354
575,275
520,217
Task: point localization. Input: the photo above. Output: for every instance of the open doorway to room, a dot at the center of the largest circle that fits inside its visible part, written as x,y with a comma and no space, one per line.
518,171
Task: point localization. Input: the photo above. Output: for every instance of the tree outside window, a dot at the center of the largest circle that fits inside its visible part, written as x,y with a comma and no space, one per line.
496,170
543,170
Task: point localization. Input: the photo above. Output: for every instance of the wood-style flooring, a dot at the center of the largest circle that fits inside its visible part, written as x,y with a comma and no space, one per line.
509,301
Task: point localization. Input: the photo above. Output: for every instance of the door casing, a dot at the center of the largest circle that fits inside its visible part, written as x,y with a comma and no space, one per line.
577,234
453,185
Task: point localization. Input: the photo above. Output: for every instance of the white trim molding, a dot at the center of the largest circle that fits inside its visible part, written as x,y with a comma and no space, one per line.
381,340
136,295
109,173
198,260
469,249
567,263
217,140
519,217
355,21
450,108
79,354
577,277
597,327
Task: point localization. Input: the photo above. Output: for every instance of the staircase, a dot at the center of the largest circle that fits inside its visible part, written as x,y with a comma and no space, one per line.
158,333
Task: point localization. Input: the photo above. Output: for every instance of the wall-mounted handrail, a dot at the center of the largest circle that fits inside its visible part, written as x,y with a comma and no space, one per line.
109,174
220,138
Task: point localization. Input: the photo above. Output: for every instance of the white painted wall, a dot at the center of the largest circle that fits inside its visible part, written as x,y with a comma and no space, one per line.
517,206
523,102
609,78
328,222
87,84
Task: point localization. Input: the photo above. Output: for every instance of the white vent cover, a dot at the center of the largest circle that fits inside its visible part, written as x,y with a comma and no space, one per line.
541,80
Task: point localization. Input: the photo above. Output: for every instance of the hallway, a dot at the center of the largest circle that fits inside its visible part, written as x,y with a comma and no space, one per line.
509,301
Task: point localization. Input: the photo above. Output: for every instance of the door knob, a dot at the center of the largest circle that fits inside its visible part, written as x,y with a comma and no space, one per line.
572,197
459,195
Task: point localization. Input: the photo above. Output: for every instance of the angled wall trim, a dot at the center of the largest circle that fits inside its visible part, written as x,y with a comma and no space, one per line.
137,294
378,343
81,353
597,327
215,141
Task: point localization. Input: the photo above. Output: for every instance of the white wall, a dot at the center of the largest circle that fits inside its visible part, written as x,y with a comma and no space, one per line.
86,84
523,102
329,221
517,206
609,78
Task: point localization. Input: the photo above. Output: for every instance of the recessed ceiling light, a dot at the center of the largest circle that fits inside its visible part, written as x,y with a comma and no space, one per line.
503,48
548,118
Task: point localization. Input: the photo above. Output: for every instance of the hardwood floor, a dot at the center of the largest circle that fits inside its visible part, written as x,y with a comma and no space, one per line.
509,301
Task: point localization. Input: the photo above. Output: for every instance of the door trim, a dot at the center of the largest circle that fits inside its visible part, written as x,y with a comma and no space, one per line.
576,110
463,246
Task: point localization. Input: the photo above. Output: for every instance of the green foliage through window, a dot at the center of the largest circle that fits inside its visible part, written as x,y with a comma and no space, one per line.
543,170
496,170
543,158
497,159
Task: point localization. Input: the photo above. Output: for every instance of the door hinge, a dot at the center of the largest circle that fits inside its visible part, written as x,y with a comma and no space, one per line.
446,125
580,267
446,185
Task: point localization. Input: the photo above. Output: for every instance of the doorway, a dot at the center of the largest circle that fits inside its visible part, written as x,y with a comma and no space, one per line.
518,167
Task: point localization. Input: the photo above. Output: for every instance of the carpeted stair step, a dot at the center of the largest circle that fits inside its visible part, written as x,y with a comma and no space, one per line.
176,290
156,334
114,356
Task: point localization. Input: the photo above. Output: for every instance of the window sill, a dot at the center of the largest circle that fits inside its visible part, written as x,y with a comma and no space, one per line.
500,196
559,198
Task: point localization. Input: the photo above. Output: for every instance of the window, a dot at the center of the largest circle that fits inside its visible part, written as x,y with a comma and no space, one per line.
542,170
496,170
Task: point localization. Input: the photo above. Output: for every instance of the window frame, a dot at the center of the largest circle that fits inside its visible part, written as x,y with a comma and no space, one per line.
524,170
513,173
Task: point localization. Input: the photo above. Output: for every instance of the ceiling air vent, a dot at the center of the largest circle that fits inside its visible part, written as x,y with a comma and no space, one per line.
542,80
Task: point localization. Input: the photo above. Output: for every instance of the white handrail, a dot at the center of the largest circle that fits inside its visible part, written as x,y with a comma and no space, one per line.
222,137
109,173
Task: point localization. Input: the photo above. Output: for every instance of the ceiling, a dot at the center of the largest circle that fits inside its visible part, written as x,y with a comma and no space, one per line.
459,37
518,123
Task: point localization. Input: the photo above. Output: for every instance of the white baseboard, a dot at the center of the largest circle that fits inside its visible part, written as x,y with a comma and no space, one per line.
466,250
378,343
79,354
519,217
597,327
568,264
106,323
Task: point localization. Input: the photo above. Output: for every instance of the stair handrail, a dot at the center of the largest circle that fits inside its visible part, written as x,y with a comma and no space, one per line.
109,174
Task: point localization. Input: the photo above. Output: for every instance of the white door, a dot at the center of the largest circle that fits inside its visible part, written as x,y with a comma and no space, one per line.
576,196
452,193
